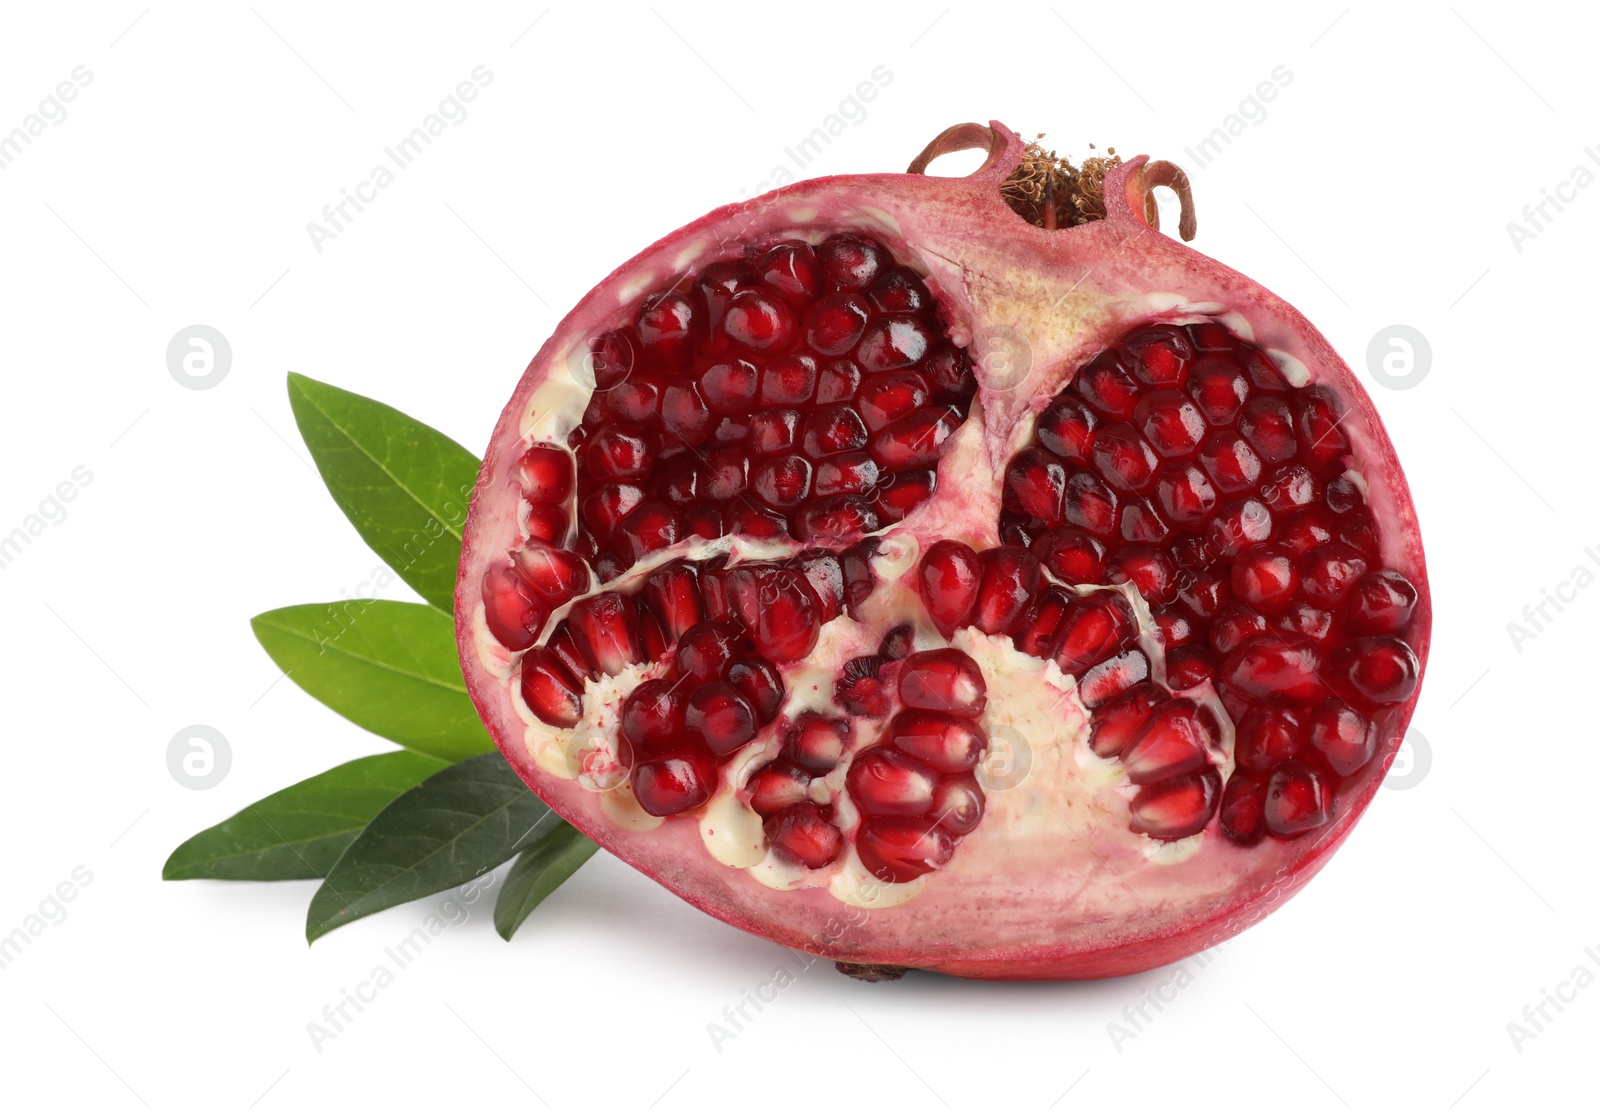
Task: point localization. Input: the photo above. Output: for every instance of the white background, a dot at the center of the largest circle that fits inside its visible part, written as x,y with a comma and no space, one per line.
1377,191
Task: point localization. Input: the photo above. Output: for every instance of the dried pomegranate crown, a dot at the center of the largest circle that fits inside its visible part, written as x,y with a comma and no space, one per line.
919,584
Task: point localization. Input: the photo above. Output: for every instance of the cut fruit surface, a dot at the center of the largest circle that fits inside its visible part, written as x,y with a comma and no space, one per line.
789,581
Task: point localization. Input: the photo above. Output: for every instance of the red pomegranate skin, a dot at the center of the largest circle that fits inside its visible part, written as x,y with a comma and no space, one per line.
1032,306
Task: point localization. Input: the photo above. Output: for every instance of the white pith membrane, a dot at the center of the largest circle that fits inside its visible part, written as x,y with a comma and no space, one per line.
1056,816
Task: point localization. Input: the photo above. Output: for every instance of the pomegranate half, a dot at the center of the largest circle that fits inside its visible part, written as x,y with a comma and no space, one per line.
920,587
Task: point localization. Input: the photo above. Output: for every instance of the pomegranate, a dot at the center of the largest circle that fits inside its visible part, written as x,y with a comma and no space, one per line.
954,574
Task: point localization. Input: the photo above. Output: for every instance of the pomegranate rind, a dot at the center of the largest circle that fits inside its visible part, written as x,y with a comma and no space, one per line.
997,910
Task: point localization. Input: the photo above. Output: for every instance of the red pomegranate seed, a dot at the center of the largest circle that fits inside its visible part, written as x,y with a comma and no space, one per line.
666,329
548,524
1142,523
1189,666
860,689
513,613
1175,625
651,719
1176,808
945,743
1036,483
900,495
792,270
789,381
949,370
555,575
1123,459
1071,554
1381,604
757,523
1298,798
845,475
1306,529
675,782
730,388
896,850
778,785
888,396
835,429
1099,626
774,431
945,680
898,642
1266,737
1159,356
1288,487
783,481
719,717
1316,426
1374,671
758,681
717,284
803,834
612,357
637,400
1304,619
1186,494
1173,742
1274,668
702,520
1343,495
685,414
817,742
852,262
859,578
605,508
1150,569
1171,422
603,626
1037,633
1089,504
760,322
672,593
958,805
915,441
705,651
1108,387
1218,386
837,517
648,528
565,648
896,341
1267,425
884,781
1243,804
838,381
900,291
1066,428
546,474
836,322
1205,592
613,453
1230,462
1009,581
1237,525
1110,678
1264,577
549,690
1345,739
1329,571
1234,624
825,576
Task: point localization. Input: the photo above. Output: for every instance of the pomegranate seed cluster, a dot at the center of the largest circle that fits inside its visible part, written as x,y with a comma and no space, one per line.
801,392
1184,463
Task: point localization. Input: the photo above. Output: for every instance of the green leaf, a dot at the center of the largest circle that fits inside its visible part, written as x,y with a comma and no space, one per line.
298,833
453,827
539,870
388,666
403,485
